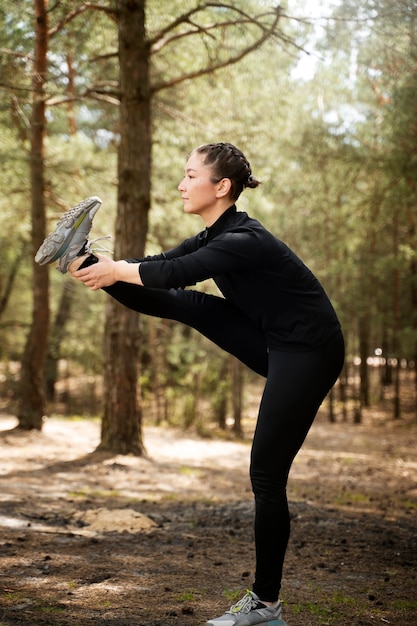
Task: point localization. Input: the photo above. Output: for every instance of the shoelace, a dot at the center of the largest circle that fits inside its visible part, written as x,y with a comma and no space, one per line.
245,605
90,244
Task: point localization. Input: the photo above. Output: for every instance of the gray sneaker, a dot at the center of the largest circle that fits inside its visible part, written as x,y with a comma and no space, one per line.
249,611
70,237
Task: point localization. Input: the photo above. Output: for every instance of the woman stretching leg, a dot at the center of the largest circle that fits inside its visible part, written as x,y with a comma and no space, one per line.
274,316
297,383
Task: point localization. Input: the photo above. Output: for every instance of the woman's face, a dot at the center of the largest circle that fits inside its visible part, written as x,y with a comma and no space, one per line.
199,194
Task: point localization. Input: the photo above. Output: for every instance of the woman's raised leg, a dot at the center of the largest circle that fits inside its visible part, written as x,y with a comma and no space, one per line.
212,316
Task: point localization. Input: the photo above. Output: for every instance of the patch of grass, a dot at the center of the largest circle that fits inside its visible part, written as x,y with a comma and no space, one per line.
342,600
46,607
75,418
190,471
318,610
174,497
328,610
405,605
233,596
12,597
350,497
188,596
87,492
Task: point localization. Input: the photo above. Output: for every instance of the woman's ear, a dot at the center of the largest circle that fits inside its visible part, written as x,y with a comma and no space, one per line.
223,187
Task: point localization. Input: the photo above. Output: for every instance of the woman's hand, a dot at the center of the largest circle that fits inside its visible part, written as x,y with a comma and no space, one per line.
98,275
107,272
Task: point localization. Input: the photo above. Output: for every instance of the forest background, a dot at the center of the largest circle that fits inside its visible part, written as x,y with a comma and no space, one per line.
109,98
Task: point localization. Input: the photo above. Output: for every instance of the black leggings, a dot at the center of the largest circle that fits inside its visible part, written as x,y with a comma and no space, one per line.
297,383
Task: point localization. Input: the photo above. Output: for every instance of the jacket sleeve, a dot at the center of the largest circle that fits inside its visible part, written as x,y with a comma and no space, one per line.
187,246
229,252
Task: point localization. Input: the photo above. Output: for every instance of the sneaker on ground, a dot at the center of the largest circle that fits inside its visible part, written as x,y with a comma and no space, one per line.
70,237
249,611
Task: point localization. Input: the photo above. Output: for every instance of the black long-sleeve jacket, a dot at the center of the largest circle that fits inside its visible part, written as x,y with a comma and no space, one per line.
257,273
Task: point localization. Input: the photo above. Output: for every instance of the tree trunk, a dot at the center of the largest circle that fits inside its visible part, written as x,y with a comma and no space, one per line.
397,391
72,121
415,374
5,292
397,318
364,331
413,290
331,413
343,387
55,339
31,405
220,394
121,425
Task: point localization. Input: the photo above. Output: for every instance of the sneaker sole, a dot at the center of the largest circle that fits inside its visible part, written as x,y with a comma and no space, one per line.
56,244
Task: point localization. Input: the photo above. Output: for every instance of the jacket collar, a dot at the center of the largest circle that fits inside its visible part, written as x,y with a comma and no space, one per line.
218,226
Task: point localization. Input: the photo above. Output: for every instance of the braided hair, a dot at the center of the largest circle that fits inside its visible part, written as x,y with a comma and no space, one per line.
227,161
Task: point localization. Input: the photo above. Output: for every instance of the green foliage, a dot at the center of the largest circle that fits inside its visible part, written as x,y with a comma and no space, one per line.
336,154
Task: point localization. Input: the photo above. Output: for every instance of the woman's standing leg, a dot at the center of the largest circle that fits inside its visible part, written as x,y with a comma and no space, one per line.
296,386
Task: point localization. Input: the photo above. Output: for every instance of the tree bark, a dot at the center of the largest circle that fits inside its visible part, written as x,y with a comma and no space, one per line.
364,332
56,337
31,406
121,425
6,290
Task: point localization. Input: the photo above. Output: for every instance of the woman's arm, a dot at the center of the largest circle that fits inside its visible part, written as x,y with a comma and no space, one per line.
229,252
107,272
234,251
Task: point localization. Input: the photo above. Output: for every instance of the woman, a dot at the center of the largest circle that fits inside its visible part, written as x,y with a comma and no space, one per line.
274,316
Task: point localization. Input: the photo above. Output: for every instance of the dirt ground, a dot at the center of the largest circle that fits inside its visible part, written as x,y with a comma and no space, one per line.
93,539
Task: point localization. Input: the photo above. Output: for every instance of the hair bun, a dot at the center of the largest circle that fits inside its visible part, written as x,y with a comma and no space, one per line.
252,182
